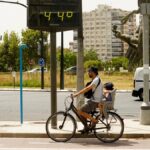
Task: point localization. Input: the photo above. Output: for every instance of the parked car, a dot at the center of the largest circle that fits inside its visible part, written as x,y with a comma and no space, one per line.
139,83
71,71
36,70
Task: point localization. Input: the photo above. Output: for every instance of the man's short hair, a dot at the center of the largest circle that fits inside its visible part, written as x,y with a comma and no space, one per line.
93,69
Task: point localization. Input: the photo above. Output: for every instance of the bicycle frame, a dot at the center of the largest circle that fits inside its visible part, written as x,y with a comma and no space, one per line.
80,114
75,111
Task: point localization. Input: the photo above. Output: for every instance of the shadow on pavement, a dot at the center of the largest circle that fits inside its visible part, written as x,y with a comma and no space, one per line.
95,142
138,100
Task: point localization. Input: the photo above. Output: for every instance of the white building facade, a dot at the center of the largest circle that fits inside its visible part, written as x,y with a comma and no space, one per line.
97,31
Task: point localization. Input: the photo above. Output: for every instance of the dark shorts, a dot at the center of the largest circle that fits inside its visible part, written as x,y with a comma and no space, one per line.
89,106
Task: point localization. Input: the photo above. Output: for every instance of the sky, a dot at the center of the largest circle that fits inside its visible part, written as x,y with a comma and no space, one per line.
13,17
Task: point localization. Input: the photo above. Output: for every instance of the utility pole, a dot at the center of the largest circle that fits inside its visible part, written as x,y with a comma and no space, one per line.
53,74
80,68
145,108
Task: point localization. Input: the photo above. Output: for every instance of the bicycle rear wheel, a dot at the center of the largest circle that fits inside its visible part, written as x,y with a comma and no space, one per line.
111,129
61,127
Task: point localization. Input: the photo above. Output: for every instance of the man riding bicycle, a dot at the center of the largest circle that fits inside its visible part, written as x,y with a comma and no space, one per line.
96,122
97,89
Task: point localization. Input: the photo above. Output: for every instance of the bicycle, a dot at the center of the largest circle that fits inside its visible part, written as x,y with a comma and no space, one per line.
107,130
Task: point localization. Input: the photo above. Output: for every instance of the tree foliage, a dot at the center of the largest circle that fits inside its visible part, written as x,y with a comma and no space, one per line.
32,38
96,63
9,52
69,58
90,55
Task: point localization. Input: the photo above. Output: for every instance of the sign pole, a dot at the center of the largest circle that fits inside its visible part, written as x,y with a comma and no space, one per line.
21,47
42,67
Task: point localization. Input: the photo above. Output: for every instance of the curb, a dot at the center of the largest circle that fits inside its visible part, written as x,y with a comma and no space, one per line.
23,135
36,90
48,90
77,135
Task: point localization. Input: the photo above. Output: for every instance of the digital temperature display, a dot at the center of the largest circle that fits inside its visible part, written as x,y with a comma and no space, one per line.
53,15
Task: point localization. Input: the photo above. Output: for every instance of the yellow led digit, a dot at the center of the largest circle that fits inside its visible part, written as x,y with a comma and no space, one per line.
48,15
61,15
69,14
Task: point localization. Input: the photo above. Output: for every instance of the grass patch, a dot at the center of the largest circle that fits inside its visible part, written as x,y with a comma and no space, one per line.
120,80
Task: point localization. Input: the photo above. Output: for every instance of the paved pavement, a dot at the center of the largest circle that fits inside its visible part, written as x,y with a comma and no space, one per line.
133,129
36,129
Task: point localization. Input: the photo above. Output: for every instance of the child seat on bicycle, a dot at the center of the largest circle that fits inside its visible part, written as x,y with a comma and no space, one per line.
108,99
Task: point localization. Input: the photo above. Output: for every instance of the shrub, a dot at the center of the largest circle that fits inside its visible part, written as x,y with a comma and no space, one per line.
117,63
96,63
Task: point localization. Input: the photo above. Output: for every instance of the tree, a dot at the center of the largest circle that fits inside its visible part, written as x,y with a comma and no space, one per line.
32,38
90,55
14,51
69,58
9,52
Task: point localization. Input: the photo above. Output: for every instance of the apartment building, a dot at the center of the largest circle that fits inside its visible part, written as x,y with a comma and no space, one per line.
97,31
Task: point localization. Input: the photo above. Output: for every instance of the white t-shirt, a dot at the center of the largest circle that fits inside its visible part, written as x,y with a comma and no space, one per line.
98,93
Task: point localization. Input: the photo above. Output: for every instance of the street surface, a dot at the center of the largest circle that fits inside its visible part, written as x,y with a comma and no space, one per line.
74,144
37,105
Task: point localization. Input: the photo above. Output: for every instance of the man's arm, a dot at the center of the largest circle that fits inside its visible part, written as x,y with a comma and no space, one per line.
86,89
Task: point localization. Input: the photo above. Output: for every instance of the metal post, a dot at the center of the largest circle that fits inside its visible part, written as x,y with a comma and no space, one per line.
42,67
53,74
62,62
80,68
21,47
14,82
145,108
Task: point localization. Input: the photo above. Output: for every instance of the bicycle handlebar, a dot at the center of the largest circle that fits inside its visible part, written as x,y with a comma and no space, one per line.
71,102
71,96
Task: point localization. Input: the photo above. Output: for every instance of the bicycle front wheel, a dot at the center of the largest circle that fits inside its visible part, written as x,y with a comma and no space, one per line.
61,127
111,129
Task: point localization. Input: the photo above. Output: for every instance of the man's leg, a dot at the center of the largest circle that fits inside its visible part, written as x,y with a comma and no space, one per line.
87,108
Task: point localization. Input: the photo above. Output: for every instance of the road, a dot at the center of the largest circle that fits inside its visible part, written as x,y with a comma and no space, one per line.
74,144
37,105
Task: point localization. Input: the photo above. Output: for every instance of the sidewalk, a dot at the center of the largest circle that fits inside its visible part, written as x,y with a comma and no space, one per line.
31,129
